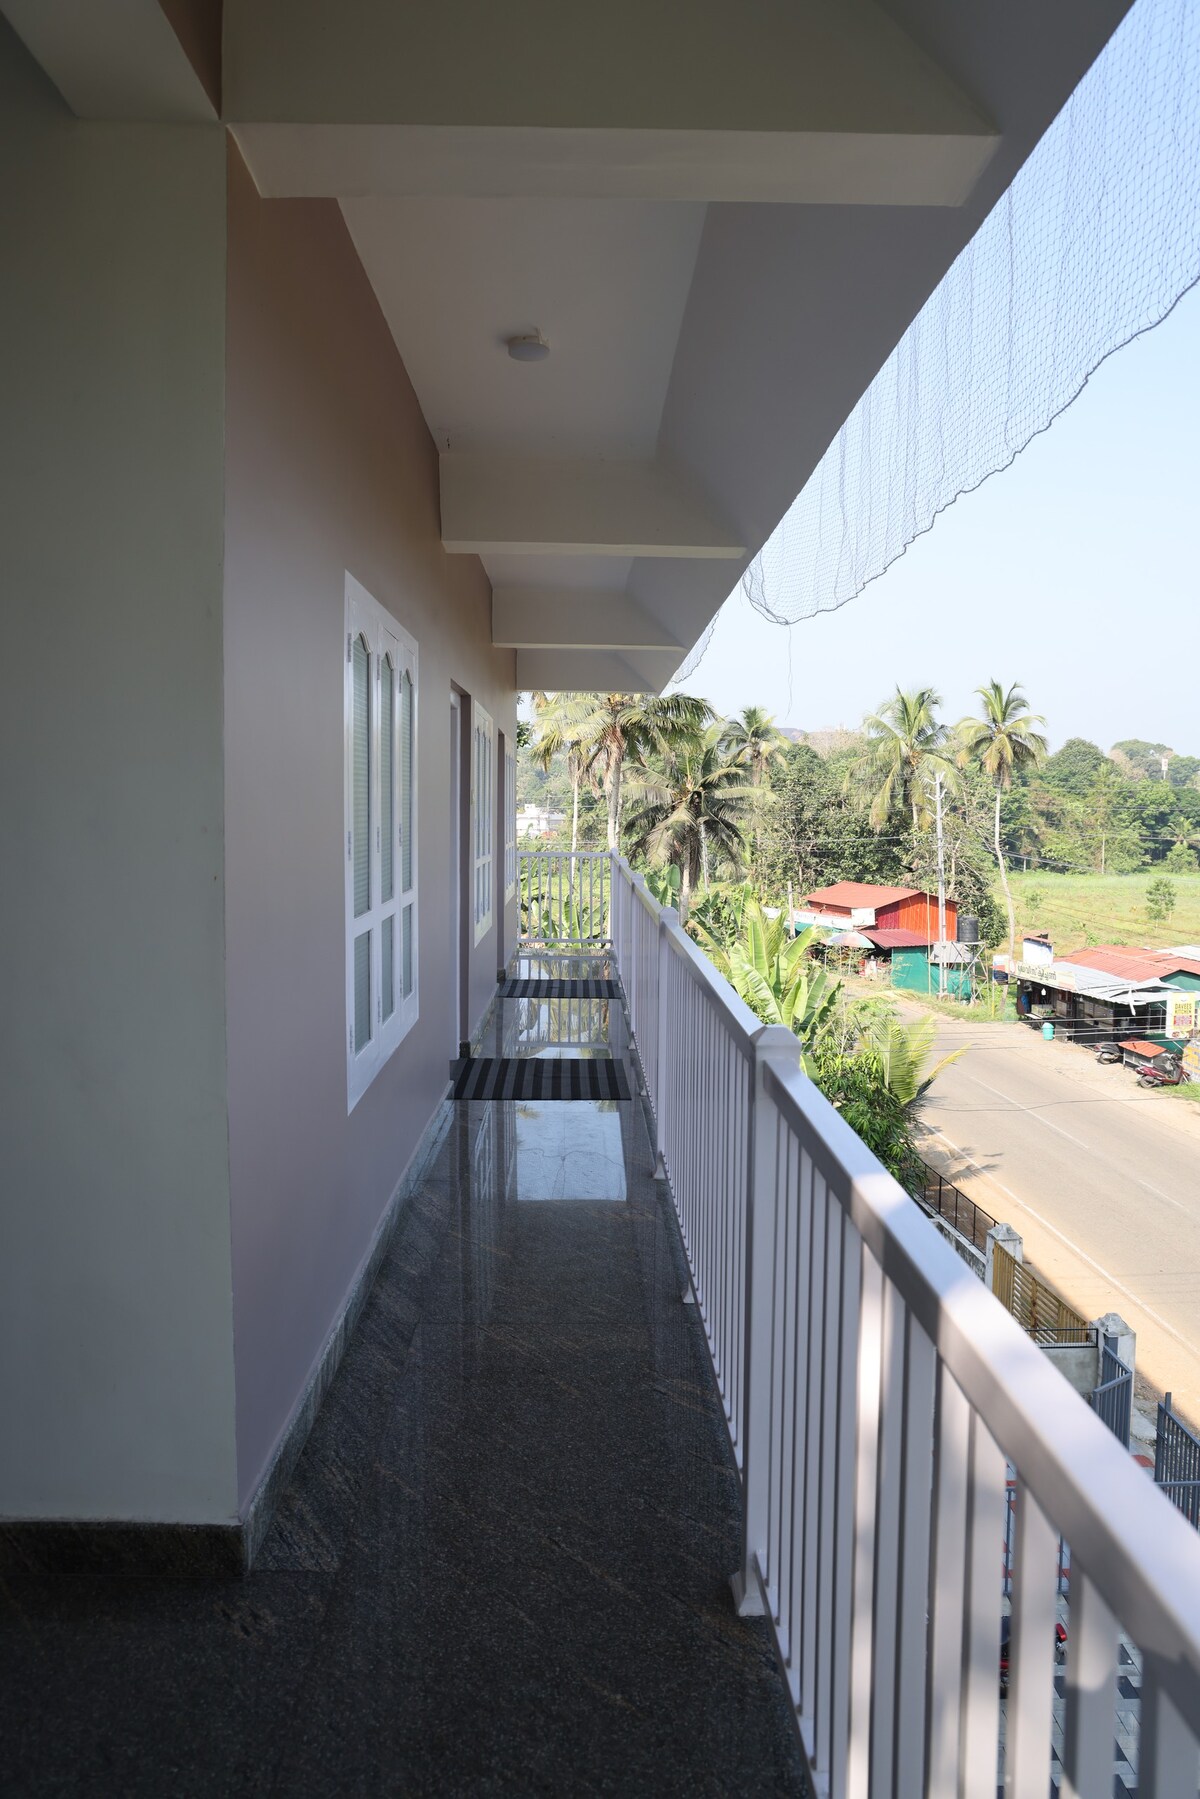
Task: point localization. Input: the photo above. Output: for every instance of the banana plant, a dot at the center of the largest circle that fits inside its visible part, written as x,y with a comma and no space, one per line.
772,972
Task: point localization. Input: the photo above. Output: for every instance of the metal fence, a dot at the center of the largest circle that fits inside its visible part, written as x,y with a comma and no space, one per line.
563,896
877,1401
1177,1462
1112,1400
1036,1307
948,1202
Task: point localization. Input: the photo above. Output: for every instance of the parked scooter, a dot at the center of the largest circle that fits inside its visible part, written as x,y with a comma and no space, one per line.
1166,1072
1060,1648
1108,1052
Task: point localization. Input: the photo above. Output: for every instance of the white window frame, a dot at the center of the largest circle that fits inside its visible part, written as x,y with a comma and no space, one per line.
483,812
510,821
384,639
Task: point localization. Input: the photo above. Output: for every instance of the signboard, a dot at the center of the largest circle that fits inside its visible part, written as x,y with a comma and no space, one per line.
1191,1059
1047,974
1182,1018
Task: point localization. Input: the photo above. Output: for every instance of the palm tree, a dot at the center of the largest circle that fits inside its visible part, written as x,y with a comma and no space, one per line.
558,716
614,727
755,740
906,743
1003,742
692,805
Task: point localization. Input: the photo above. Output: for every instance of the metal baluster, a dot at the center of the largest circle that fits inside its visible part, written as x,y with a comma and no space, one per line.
1091,1692
1031,1649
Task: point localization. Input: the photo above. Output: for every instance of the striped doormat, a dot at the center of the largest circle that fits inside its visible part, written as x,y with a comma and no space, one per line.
544,989
535,1077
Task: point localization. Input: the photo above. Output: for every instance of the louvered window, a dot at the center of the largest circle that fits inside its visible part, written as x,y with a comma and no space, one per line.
382,960
483,804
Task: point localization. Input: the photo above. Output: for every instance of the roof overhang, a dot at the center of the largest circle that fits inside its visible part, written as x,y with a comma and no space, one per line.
722,220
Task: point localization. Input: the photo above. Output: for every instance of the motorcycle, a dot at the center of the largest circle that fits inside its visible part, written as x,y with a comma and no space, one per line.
1108,1052
1060,1648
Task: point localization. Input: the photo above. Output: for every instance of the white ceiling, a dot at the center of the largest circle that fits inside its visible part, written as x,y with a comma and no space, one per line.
605,281
721,217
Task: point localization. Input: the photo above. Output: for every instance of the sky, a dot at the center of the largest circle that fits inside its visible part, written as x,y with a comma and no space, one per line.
1075,571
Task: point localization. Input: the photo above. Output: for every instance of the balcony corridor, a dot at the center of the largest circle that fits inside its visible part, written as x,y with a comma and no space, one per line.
502,1564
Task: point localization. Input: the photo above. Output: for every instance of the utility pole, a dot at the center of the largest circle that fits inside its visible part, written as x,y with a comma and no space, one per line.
941,856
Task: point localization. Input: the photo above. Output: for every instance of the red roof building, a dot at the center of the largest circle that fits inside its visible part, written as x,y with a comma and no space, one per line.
865,906
1131,963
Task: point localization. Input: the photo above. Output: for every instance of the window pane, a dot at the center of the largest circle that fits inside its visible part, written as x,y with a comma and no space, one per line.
407,950
362,991
406,783
387,980
387,779
361,776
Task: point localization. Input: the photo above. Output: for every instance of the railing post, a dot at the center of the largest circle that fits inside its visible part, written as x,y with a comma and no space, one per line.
774,1046
667,917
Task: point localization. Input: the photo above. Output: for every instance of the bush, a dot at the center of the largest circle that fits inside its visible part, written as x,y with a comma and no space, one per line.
1180,859
857,1085
1160,899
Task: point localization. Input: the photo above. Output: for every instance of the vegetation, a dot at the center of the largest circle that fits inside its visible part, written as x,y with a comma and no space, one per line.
693,800
1001,744
730,822
772,970
1079,909
904,748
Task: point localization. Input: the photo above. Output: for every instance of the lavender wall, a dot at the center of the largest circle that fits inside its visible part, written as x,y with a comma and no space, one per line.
329,468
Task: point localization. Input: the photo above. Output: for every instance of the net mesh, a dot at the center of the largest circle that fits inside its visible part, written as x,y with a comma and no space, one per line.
1094,242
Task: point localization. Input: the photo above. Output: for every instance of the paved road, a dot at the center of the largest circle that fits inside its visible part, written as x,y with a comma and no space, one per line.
1101,1178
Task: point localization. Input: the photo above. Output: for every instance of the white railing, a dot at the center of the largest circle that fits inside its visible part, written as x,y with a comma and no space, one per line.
875,1392
563,895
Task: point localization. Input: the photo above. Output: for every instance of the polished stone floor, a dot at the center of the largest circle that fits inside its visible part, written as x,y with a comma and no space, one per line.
502,1565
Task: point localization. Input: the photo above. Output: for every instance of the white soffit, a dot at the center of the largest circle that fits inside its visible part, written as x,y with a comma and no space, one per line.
605,281
112,59
803,167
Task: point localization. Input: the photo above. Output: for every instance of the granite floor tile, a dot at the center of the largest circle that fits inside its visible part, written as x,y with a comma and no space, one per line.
501,1566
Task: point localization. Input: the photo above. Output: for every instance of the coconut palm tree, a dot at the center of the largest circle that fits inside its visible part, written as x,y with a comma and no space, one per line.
616,727
755,740
692,805
557,717
1002,743
906,744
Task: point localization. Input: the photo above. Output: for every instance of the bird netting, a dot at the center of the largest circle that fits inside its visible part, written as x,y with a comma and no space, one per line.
1094,242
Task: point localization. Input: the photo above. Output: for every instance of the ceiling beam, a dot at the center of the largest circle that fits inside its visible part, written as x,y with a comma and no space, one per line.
112,60
595,671
533,505
527,618
830,168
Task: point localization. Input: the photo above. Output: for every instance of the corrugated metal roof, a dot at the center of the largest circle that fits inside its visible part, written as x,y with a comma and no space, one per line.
1131,962
859,893
894,937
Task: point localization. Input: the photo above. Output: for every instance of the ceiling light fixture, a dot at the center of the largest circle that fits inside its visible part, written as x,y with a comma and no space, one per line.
528,346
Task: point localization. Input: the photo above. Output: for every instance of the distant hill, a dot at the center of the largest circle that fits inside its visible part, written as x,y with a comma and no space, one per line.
826,742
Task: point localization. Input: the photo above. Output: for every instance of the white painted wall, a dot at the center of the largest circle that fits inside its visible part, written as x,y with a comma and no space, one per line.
330,467
116,1355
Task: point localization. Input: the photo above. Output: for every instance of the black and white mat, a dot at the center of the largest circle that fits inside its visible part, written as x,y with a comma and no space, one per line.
538,1077
553,989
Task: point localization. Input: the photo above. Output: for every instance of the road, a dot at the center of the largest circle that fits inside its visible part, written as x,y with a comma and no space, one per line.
1101,1178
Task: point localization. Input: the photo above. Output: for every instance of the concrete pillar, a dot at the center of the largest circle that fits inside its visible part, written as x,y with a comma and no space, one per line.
1125,1340
1009,1239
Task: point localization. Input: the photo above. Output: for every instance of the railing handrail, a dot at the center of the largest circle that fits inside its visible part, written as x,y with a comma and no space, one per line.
1022,1398
712,983
1141,1558
525,848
